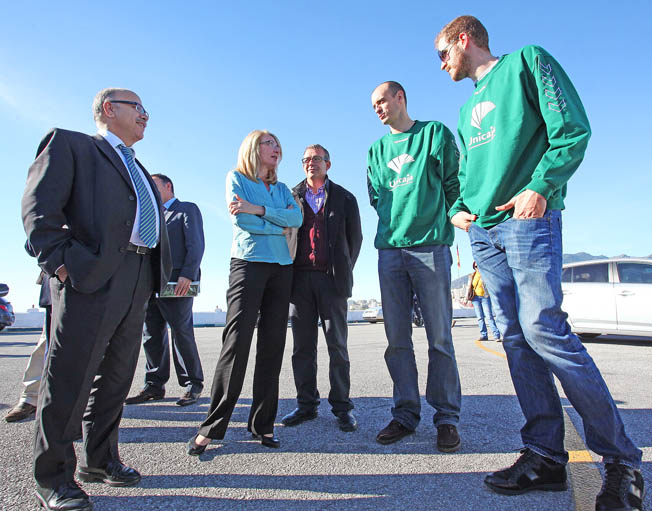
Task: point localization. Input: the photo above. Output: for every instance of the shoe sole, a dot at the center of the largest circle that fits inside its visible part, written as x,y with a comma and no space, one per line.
186,403
393,440
540,487
42,504
296,423
141,401
348,429
449,448
89,477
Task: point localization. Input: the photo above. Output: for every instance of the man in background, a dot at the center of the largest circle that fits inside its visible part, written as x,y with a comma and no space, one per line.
186,235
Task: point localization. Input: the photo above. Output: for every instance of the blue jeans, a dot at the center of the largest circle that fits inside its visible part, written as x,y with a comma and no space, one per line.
484,313
426,271
520,262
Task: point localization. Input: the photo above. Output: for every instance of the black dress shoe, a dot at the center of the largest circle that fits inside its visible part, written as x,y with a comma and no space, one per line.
297,416
268,441
346,421
530,472
66,497
194,449
188,398
149,393
114,473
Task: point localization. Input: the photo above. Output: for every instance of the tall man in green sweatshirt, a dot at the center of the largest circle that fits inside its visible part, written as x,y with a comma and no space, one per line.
523,133
412,182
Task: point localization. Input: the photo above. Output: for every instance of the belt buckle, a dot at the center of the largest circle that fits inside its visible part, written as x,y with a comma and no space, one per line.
141,250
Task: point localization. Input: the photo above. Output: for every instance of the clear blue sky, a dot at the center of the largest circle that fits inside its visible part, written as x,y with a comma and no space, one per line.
209,73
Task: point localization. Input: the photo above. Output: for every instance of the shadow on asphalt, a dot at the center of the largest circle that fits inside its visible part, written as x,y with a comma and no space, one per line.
489,424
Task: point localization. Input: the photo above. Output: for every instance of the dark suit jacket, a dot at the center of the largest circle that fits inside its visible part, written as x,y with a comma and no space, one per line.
343,231
78,209
186,234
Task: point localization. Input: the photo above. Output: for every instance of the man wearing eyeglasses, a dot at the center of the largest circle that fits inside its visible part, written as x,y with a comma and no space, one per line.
95,222
328,244
412,182
524,133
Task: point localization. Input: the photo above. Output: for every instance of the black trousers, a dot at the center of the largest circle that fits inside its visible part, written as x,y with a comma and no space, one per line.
314,297
93,352
253,287
177,312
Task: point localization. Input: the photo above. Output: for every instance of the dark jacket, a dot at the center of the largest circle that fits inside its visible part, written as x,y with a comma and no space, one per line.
78,209
343,231
186,234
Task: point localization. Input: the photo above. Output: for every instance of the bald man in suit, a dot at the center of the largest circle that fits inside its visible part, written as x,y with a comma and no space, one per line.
91,212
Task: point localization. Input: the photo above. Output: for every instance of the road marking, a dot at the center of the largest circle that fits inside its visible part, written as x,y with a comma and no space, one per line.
584,474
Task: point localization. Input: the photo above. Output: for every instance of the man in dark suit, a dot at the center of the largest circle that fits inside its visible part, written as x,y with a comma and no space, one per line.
328,244
186,234
91,212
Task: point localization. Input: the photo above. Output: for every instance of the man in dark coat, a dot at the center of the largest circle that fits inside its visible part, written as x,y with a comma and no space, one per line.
91,212
328,244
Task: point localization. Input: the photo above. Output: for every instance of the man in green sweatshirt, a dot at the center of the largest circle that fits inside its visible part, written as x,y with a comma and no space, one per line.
523,134
412,182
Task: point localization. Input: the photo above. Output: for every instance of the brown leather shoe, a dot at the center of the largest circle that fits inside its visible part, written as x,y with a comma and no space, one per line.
393,433
149,393
188,398
20,412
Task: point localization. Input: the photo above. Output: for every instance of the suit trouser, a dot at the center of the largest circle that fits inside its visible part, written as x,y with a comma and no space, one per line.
94,345
177,312
34,369
314,296
253,286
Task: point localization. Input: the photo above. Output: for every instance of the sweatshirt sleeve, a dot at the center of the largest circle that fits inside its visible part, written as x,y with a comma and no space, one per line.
450,160
459,205
566,123
372,187
245,221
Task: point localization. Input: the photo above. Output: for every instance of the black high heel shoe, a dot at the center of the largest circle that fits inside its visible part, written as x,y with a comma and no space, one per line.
194,449
268,441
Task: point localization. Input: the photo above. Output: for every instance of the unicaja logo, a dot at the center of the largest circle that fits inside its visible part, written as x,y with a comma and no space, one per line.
397,163
478,113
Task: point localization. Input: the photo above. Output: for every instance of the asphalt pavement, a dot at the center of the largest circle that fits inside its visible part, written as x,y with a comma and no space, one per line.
320,467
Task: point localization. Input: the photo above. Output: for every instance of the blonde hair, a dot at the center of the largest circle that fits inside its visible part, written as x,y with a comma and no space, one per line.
249,156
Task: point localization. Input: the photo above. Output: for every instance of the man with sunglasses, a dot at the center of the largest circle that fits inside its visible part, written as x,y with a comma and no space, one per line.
412,182
524,133
94,219
327,247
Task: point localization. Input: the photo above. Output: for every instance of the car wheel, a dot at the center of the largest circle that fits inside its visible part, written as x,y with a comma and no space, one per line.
418,322
2,327
588,336
372,321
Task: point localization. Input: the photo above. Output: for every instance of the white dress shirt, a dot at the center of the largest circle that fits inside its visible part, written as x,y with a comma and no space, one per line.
115,141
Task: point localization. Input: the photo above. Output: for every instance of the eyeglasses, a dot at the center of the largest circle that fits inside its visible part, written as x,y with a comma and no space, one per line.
139,108
271,143
316,159
443,54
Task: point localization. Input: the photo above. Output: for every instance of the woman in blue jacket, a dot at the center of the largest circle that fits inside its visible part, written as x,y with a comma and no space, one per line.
260,279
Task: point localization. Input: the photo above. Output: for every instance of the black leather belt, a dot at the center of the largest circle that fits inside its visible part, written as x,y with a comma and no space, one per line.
138,249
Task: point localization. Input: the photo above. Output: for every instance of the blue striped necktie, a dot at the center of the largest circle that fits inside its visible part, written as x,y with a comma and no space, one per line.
147,227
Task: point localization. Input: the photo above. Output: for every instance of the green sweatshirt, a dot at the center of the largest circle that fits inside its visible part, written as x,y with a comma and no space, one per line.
523,128
412,182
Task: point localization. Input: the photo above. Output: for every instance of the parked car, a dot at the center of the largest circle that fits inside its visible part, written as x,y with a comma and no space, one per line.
7,316
608,296
373,315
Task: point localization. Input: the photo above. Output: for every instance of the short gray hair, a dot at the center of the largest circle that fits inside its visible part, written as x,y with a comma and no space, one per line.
101,97
327,156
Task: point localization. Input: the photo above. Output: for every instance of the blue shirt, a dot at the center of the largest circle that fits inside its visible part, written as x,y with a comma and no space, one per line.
256,238
316,200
